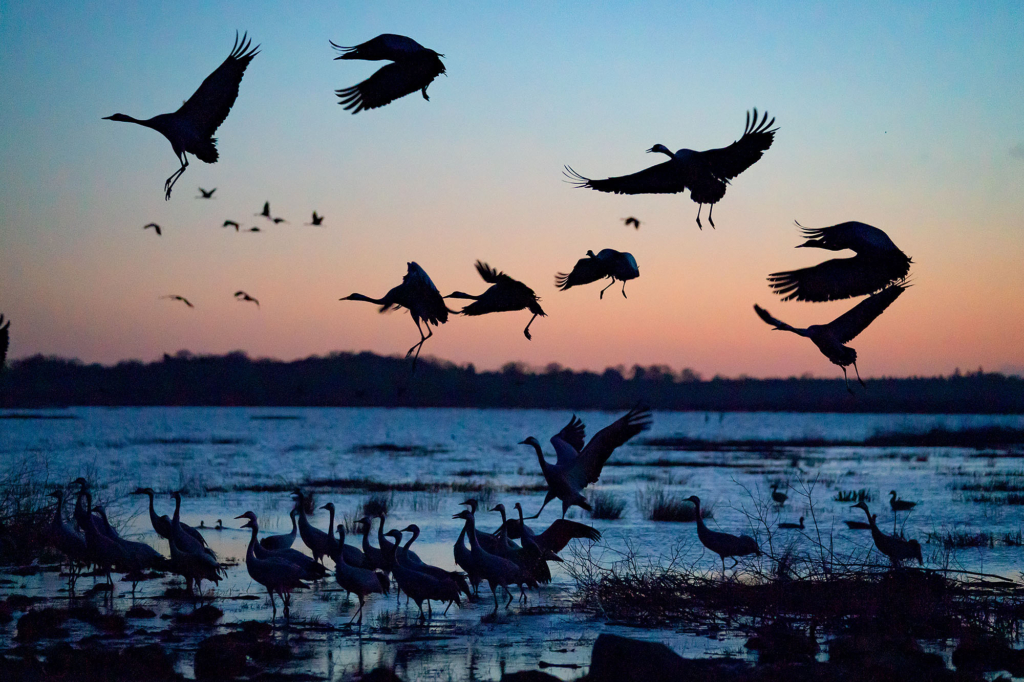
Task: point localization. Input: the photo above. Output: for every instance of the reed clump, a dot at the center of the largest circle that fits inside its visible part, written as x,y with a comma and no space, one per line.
606,506
658,504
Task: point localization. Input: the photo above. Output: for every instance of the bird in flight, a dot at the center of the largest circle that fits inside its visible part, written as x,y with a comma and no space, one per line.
278,221
317,219
5,340
266,211
184,300
242,296
156,228
231,223
619,265
878,264
419,296
253,229
831,338
504,294
413,68
705,174
190,129
635,222
207,194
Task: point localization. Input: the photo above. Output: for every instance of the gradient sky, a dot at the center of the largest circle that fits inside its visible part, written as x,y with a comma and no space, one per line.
908,118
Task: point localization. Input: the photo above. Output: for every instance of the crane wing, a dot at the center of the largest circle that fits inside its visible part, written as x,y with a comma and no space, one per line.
773,321
489,274
587,467
847,326
559,533
569,441
853,235
385,46
728,162
585,271
209,105
5,340
391,82
661,179
839,278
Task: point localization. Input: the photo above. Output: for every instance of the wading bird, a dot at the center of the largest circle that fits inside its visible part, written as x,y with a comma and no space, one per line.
878,263
138,556
723,544
414,68
899,505
188,537
419,296
777,497
274,574
175,297
5,340
555,537
359,580
831,338
317,219
243,297
373,556
635,222
231,223
352,554
67,541
156,228
705,174
897,549
190,129
314,538
265,212
799,526
206,194
495,570
578,466
162,524
504,295
420,586
284,541
618,265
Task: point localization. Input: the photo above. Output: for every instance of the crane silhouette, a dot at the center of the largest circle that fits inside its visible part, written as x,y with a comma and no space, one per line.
504,294
231,223
317,219
242,296
878,263
578,466
156,228
705,174
723,544
897,549
253,229
278,221
265,212
635,222
190,129
175,297
419,296
413,68
206,193
831,338
618,265
898,505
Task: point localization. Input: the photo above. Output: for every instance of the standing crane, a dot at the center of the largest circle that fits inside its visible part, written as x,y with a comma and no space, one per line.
314,538
878,264
618,265
578,466
277,575
831,338
362,581
897,549
555,537
422,585
67,541
706,174
419,296
495,570
723,544
504,294
413,68
285,540
190,129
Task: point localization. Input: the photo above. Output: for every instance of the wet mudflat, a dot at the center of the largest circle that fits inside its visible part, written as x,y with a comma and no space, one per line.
422,463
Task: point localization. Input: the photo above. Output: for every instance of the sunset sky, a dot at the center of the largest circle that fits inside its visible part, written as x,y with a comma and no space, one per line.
908,118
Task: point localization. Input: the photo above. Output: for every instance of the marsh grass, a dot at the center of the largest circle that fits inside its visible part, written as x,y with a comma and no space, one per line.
862,495
377,504
962,539
658,504
606,506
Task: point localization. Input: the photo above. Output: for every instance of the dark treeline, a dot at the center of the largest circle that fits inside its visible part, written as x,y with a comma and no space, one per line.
366,379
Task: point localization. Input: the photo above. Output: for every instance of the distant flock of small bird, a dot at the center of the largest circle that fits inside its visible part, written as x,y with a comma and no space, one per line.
879,270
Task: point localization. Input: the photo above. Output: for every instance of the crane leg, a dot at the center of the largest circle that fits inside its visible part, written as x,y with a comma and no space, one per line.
273,606
546,500
606,288
359,611
847,381
430,609
527,330
858,375
446,608
495,593
711,207
169,184
509,593
698,216
624,290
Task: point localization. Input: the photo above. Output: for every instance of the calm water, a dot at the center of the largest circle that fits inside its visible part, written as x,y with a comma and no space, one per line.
220,455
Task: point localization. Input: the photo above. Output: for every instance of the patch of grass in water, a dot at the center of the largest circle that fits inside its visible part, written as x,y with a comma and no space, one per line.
962,539
606,506
657,504
862,495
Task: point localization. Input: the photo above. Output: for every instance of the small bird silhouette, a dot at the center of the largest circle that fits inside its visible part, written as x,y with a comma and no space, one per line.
190,129
156,228
5,340
184,300
242,296
618,265
278,221
635,222
831,338
504,294
266,211
878,263
231,223
414,68
317,219
705,174
253,229
207,194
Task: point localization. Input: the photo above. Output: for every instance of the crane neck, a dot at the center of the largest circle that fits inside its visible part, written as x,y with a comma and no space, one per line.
362,297
177,510
470,529
330,524
540,454
700,520
250,553
57,514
